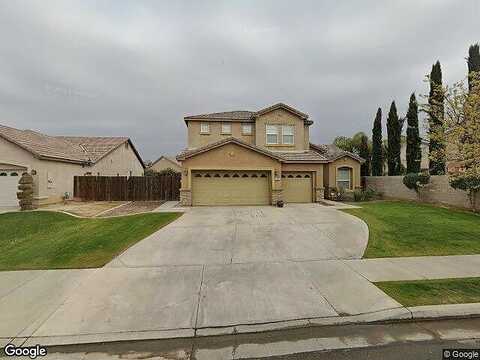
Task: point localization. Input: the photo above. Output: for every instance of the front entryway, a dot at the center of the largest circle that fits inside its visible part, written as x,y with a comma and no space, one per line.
230,188
297,187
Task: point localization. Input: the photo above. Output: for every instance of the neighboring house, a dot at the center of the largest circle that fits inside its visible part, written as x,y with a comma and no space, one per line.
166,162
55,160
258,158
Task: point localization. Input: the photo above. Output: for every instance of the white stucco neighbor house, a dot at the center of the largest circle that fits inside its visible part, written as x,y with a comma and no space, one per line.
55,160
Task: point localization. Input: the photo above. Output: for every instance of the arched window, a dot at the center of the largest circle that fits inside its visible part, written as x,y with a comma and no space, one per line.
298,176
344,178
207,175
216,175
3,174
263,176
244,175
290,176
236,175
283,176
13,174
198,175
307,176
254,176
226,176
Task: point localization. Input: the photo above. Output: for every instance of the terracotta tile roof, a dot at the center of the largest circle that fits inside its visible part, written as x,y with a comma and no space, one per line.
333,152
95,147
303,156
245,115
63,148
225,116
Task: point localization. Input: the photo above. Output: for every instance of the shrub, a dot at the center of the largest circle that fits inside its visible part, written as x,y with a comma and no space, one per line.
416,181
364,195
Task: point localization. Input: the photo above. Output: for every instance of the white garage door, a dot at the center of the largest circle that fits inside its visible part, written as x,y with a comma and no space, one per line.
8,191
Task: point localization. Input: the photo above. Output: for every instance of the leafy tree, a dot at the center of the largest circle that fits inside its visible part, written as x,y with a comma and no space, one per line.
377,145
364,152
436,115
344,143
473,62
394,141
414,153
462,131
352,144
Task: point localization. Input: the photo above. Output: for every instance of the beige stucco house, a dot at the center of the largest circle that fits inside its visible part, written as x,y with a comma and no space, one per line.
166,163
259,158
55,160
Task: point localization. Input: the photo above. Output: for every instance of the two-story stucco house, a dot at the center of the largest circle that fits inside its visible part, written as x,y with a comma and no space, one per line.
259,158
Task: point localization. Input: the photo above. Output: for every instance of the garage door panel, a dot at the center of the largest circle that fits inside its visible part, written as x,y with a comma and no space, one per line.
230,188
297,187
8,191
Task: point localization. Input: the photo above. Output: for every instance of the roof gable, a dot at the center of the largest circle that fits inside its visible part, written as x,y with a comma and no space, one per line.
284,107
332,152
231,140
168,158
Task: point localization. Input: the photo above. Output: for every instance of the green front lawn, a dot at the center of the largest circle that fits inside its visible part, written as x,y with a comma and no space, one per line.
433,292
51,240
413,229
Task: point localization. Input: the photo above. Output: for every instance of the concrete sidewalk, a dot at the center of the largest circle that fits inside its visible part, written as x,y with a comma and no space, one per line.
417,268
112,304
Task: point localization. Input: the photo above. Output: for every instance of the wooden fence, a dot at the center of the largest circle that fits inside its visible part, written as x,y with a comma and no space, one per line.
122,188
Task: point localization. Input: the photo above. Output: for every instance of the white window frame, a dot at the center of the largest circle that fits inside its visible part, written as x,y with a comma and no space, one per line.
285,127
249,132
272,130
204,128
341,180
226,128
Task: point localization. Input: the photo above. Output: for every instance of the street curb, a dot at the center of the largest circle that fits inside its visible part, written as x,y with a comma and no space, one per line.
396,315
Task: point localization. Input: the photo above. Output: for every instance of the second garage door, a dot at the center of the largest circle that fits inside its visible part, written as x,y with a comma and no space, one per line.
8,190
230,188
297,187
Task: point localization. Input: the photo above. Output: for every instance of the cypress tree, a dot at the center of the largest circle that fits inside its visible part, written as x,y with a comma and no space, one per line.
435,120
414,155
394,138
365,154
377,145
473,62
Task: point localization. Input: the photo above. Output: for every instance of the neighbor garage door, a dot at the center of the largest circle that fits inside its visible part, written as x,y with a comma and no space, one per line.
230,188
297,187
8,191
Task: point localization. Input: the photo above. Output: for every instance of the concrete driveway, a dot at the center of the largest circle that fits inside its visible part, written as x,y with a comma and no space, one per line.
239,235
214,270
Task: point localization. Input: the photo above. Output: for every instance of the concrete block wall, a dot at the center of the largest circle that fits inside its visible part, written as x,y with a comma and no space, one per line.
438,191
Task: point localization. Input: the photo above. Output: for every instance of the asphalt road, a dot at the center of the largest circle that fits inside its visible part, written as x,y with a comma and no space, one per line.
396,341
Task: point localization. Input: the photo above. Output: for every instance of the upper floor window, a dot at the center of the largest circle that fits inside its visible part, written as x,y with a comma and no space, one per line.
272,134
204,128
288,134
247,129
226,128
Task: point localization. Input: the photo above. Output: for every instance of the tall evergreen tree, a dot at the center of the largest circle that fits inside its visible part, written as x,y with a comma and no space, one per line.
394,138
436,121
473,62
377,145
364,152
414,154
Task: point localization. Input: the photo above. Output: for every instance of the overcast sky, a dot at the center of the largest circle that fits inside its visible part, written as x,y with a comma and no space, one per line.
136,68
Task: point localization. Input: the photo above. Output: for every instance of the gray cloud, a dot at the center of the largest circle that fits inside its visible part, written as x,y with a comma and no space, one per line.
136,68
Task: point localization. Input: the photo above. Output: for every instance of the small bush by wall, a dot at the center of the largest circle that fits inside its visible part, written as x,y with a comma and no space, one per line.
438,191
